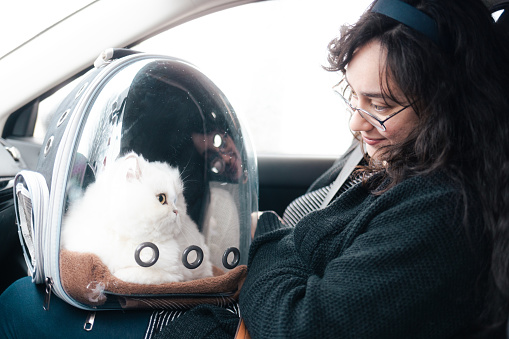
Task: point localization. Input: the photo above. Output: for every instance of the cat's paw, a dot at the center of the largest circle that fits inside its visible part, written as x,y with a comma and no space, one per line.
142,275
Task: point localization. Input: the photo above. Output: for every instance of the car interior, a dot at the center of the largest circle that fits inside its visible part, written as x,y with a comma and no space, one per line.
282,178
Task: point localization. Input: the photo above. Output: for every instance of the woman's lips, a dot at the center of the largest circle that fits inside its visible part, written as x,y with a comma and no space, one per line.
372,142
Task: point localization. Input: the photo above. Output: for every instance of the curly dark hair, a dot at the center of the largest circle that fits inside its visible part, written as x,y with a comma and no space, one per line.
460,92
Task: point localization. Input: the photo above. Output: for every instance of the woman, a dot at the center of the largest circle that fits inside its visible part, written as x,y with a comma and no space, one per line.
419,248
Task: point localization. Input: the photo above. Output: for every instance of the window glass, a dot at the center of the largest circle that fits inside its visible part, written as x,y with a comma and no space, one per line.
267,58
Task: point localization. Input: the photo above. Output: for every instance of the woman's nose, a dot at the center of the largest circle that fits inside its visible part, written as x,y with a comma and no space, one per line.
358,123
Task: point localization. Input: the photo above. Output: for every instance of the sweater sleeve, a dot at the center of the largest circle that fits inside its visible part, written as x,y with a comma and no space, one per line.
403,269
267,222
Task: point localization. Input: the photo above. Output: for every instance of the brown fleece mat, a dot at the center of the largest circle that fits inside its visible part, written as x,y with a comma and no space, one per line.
86,279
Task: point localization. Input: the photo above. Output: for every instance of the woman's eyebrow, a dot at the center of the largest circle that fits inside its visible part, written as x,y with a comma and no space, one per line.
375,95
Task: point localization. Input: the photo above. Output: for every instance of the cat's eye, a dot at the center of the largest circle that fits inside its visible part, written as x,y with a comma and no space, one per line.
162,199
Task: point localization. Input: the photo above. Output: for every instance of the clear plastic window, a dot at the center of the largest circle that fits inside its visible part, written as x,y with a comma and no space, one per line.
161,188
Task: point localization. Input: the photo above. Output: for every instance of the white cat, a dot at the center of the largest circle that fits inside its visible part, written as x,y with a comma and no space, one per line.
131,202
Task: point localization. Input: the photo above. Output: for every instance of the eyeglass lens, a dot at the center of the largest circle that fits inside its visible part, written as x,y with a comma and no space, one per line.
344,89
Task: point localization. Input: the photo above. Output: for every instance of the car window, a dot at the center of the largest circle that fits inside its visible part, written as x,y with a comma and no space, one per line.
48,106
267,58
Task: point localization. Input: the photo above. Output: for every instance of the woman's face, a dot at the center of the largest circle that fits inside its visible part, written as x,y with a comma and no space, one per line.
363,74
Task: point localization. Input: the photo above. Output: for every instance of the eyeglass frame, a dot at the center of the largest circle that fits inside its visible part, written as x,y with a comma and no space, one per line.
361,111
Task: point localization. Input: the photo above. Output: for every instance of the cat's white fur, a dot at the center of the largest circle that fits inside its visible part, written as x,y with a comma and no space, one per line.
121,210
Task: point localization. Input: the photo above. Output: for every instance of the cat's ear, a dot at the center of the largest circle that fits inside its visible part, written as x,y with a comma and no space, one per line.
133,167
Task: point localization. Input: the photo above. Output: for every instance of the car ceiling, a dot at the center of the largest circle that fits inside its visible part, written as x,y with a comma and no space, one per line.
71,45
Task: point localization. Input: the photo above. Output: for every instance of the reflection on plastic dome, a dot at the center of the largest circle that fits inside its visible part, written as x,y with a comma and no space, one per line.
169,174
220,154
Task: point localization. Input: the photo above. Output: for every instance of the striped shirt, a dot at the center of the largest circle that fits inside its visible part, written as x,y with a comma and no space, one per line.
160,318
312,201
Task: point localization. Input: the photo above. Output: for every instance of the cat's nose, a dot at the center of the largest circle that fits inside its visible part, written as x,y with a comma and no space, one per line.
176,211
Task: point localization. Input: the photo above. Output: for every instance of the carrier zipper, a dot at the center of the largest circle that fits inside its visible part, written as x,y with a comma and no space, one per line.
47,297
89,323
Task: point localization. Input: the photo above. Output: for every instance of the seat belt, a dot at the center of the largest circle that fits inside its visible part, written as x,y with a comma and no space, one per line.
353,160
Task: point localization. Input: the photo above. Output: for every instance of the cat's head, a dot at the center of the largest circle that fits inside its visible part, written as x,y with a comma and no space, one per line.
153,193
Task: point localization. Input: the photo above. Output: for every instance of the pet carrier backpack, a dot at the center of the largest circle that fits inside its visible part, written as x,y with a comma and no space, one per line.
132,117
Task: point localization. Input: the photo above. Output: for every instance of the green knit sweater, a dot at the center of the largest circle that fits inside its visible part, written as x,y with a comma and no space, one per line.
397,265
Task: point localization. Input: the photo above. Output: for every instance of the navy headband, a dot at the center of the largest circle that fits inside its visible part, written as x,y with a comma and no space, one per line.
409,16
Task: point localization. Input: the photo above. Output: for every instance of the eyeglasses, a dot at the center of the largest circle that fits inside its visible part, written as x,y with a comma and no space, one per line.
345,92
